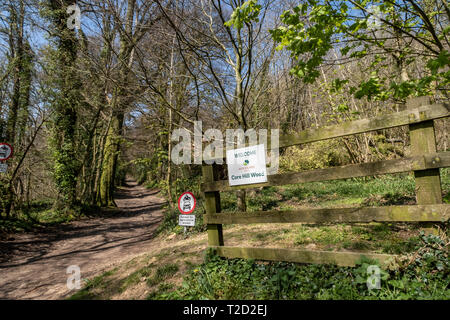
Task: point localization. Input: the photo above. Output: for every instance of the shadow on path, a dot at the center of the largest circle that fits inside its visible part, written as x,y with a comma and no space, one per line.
33,265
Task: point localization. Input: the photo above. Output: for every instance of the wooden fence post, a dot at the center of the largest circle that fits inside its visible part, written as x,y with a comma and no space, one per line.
212,204
423,141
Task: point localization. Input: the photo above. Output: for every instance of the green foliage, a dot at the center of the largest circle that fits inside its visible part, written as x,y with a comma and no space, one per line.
317,155
362,272
245,14
265,199
314,38
36,215
427,277
141,166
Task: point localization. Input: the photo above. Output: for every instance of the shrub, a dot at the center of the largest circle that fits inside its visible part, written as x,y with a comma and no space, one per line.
313,156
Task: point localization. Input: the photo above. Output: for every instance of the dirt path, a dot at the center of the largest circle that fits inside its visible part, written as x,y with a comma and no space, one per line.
36,264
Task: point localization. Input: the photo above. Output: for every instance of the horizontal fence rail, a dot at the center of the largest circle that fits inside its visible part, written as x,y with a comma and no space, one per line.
414,213
396,119
437,160
300,256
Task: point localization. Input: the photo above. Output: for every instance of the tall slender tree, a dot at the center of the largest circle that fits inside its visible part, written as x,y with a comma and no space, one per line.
66,97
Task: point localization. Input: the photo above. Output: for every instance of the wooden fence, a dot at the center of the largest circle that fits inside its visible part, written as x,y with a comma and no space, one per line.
424,161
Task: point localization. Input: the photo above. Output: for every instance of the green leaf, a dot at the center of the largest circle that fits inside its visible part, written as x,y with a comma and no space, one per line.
248,12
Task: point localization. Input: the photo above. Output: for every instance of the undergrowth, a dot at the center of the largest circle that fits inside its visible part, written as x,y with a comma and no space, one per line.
425,274
41,214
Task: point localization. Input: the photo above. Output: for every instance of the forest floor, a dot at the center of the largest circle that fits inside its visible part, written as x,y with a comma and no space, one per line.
34,265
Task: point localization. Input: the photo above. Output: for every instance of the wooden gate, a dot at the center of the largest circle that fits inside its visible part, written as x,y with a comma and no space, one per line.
424,161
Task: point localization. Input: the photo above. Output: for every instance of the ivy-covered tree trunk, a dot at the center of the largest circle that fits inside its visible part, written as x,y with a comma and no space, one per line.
21,69
64,104
17,66
109,166
113,140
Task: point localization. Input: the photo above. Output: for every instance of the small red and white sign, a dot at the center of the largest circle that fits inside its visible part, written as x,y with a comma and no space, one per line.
6,151
187,203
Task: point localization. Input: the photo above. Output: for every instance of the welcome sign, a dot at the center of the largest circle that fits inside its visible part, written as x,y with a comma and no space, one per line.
247,165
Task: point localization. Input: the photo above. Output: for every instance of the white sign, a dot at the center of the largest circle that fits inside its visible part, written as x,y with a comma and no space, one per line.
247,165
186,220
3,167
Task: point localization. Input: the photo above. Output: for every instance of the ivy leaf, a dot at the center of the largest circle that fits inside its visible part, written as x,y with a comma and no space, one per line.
441,61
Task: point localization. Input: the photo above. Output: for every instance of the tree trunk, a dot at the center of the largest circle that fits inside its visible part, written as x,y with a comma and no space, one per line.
109,165
65,107
113,139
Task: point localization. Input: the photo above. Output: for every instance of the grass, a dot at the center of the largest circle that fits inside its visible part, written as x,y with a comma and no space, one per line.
160,293
390,190
105,285
394,189
136,277
37,215
98,284
163,273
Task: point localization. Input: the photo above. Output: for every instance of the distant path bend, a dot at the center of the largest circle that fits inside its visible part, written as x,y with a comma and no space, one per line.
33,266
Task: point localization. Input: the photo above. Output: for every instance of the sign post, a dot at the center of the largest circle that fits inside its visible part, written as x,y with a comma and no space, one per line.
186,205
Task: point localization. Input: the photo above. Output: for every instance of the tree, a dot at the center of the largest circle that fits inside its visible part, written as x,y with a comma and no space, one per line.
410,35
65,101
137,22
228,39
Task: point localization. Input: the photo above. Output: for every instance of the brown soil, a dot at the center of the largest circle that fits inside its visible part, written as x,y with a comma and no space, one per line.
34,265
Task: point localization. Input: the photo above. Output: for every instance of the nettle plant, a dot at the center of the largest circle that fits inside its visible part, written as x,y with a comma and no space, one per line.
410,36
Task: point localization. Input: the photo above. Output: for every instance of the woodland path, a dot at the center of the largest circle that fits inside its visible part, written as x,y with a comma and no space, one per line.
33,265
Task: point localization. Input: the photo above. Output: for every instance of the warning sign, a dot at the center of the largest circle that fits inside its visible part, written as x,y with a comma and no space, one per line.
186,203
5,151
